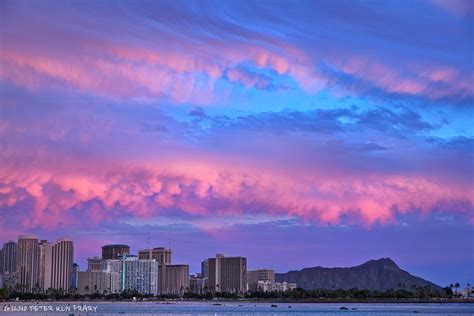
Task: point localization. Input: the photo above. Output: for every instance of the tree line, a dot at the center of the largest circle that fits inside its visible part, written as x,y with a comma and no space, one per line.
421,293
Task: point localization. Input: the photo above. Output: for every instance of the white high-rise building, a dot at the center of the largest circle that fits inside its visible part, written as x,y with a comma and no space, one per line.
27,264
59,259
116,276
115,270
141,275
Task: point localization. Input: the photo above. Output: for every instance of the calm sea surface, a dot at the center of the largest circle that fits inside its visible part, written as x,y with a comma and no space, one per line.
230,308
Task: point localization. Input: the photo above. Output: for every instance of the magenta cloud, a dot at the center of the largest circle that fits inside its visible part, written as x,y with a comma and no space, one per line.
154,62
57,188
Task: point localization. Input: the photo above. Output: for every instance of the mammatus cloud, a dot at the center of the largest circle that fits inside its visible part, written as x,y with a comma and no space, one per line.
49,196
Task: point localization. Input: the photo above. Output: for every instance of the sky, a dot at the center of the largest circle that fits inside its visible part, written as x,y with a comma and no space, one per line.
296,133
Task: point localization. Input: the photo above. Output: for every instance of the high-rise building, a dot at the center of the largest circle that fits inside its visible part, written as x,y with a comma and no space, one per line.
27,264
1,262
163,257
102,276
254,276
204,275
10,249
1,268
205,269
197,284
160,254
74,276
227,274
115,268
59,258
114,276
42,245
9,257
176,279
90,282
114,251
95,264
141,275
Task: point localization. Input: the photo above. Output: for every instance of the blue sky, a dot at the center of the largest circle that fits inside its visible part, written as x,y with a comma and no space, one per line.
297,133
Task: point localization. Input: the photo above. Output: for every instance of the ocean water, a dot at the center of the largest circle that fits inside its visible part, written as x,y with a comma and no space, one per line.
230,308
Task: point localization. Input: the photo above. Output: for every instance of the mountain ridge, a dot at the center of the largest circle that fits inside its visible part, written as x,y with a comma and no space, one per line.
379,274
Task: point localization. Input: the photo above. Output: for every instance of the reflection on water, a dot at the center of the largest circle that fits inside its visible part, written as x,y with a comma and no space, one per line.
230,308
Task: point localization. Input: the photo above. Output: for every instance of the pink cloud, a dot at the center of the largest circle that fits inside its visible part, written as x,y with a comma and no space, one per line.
135,72
106,77
154,62
207,185
421,80
125,71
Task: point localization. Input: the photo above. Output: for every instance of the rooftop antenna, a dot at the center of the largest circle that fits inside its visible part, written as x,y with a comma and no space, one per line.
169,238
148,246
148,241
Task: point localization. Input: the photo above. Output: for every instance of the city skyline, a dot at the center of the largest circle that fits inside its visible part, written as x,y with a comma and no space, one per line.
300,133
44,267
83,262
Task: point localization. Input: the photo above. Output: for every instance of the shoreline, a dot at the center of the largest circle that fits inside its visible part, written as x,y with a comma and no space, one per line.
237,301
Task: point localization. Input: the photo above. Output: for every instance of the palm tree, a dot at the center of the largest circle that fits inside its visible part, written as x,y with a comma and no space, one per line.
457,287
36,289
